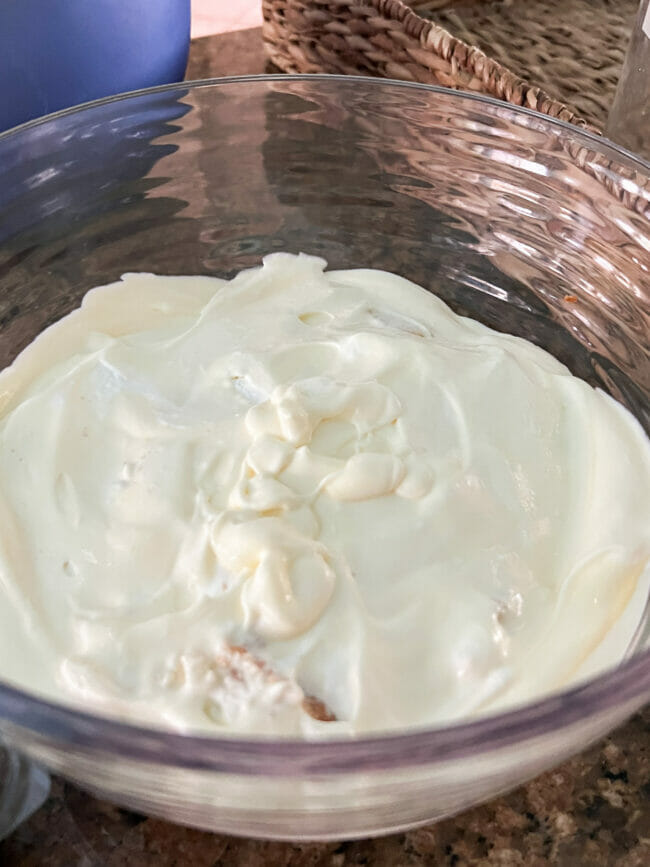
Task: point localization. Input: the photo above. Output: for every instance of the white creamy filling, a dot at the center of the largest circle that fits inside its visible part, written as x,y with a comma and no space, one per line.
222,500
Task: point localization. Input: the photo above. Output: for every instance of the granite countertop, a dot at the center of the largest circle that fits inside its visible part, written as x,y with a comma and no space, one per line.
593,810
238,53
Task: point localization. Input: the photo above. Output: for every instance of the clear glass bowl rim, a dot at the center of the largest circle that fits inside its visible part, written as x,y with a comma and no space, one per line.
628,683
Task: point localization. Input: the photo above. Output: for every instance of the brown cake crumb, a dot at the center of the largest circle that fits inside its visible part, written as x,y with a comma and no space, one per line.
317,709
240,663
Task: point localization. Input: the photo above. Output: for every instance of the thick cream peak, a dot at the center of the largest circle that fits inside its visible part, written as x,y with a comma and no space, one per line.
250,506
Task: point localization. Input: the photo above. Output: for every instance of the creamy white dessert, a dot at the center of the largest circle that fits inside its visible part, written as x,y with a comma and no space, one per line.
308,502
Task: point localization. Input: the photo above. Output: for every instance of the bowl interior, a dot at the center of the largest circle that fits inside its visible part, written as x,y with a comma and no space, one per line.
527,225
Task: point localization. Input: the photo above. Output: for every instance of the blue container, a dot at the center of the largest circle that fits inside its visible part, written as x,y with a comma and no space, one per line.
57,53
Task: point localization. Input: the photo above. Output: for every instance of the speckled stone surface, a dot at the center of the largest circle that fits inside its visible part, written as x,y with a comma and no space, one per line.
238,53
593,810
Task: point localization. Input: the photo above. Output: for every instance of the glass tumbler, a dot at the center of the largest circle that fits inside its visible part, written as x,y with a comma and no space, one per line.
629,120
23,788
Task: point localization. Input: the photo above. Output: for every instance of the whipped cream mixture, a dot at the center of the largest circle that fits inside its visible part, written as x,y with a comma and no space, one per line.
312,503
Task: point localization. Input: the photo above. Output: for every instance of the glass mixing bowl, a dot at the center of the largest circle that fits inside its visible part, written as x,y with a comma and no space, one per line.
524,223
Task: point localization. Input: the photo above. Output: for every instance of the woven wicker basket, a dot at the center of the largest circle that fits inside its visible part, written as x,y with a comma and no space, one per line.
560,57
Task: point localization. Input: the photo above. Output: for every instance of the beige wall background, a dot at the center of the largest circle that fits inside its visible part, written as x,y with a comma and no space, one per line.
224,16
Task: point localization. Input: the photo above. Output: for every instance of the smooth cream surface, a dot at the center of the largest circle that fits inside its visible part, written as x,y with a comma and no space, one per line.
395,510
